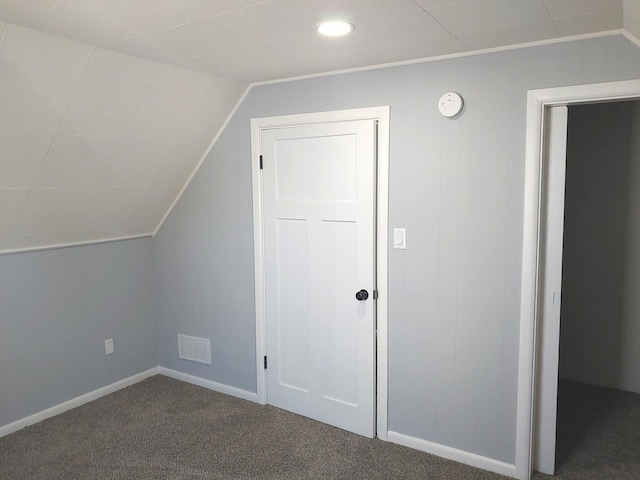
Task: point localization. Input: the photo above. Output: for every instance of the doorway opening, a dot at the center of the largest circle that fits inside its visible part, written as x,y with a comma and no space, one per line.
303,232
599,342
542,265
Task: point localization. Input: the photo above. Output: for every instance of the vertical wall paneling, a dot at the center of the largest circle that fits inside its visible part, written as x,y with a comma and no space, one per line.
457,186
58,308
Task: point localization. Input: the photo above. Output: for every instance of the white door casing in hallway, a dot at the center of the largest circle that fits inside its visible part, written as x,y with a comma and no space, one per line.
538,357
550,289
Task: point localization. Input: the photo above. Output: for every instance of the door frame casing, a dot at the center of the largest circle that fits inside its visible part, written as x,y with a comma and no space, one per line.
538,102
550,272
381,200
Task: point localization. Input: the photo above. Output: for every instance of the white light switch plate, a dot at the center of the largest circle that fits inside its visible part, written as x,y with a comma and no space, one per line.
108,346
400,238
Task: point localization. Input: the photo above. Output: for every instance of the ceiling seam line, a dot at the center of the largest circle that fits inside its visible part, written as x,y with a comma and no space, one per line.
128,126
53,141
4,31
449,56
439,23
233,11
66,2
553,21
171,27
66,112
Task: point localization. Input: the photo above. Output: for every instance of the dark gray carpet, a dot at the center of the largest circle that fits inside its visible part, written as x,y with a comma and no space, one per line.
165,429
598,434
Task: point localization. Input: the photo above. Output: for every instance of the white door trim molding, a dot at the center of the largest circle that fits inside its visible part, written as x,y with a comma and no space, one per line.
381,114
550,289
537,103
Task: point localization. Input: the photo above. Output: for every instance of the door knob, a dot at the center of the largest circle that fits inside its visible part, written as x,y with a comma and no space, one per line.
362,295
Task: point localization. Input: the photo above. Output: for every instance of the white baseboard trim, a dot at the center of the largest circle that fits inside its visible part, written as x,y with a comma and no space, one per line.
209,384
76,402
114,387
631,37
450,453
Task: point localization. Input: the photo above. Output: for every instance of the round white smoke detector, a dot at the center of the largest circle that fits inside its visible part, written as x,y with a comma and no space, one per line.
450,104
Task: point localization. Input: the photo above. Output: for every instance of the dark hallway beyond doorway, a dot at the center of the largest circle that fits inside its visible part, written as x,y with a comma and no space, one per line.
598,434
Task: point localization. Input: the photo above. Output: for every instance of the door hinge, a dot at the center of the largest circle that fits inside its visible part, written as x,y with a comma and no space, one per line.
261,169
375,294
265,362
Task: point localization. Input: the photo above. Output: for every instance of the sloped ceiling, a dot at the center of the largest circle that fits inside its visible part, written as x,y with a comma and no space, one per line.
107,106
94,144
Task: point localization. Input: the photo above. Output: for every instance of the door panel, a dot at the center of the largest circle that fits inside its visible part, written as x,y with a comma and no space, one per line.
318,208
293,303
312,176
550,290
339,266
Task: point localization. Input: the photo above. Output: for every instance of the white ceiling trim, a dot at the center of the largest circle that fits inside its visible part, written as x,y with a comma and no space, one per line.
631,37
203,158
74,244
537,43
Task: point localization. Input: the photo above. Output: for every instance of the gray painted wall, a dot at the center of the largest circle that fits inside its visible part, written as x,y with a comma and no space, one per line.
455,185
57,308
600,321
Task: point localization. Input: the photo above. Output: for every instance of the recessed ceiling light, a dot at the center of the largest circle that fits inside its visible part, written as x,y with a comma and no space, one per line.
335,28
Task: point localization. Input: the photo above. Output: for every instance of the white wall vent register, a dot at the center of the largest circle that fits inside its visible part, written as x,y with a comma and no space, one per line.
194,349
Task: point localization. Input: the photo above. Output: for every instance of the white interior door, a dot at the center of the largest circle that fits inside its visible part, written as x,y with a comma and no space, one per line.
550,294
319,251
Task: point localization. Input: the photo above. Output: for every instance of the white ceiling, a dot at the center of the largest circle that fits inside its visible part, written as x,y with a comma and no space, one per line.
108,105
257,40
94,144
